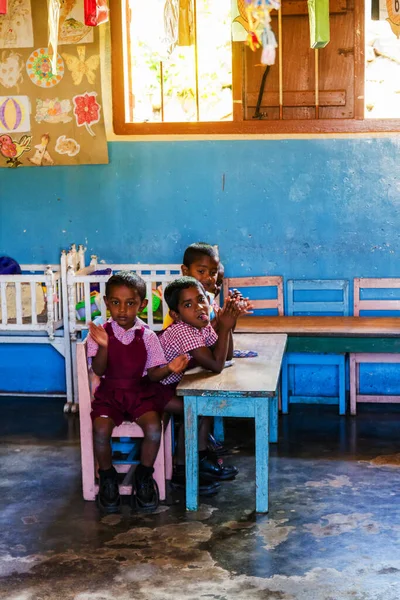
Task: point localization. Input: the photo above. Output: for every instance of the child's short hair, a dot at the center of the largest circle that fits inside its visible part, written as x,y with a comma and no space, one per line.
128,279
197,249
173,290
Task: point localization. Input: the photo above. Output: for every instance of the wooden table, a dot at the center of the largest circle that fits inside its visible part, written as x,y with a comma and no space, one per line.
334,335
322,326
244,390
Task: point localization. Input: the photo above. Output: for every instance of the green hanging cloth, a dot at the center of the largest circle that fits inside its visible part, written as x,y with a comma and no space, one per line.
318,13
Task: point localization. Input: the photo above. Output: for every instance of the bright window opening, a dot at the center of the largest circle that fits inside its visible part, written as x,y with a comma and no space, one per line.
382,54
178,62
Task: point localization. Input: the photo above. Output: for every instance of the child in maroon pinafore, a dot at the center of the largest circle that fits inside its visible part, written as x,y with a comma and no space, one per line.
122,352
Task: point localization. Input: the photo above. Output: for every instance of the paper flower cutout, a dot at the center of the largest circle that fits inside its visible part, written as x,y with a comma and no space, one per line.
87,110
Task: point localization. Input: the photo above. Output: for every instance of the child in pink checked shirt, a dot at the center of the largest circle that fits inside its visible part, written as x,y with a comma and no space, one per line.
193,336
122,352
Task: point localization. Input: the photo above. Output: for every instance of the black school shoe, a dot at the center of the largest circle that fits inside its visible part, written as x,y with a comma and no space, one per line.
108,498
211,468
145,496
206,488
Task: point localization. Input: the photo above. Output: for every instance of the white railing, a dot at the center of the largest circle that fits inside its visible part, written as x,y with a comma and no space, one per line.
32,301
79,290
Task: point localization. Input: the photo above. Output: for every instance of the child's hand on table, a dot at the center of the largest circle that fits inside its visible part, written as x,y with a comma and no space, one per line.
98,334
179,364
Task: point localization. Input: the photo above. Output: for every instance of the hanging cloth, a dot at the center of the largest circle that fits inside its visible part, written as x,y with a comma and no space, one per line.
186,24
3,7
171,25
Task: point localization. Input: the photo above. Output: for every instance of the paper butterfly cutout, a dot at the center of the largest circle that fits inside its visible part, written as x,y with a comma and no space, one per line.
79,67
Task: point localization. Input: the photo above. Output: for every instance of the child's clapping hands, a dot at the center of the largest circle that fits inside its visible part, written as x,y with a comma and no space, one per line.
244,304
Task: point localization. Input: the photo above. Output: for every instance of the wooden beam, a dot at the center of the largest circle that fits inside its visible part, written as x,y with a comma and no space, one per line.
300,98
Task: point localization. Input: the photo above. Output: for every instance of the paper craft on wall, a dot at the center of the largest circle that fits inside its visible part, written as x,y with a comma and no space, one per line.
39,69
14,114
16,29
72,28
79,67
67,146
49,118
87,111
42,158
12,150
11,67
53,111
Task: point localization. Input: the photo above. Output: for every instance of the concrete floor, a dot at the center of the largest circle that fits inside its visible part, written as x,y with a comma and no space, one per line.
333,531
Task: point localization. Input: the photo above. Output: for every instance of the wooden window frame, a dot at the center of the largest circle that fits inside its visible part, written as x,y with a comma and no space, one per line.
359,124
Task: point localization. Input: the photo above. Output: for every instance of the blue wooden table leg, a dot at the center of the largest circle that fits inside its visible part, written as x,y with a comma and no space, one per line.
342,386
261,417
273,420
285,384
191,452
219,432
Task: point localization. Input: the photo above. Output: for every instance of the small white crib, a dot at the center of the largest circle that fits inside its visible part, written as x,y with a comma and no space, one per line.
32,312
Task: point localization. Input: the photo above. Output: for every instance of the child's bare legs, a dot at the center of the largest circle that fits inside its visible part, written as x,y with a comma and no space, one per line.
102,429
150,422
108,499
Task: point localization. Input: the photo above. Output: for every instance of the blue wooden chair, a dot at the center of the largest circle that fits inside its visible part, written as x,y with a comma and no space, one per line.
266,295
307,298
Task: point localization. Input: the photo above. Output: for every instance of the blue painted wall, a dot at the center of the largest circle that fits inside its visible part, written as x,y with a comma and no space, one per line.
298,208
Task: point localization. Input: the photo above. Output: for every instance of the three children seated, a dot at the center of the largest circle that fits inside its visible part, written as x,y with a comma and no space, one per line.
140,371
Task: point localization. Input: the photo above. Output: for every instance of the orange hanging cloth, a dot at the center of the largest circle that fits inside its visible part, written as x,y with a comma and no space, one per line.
185,24
96,12
3,7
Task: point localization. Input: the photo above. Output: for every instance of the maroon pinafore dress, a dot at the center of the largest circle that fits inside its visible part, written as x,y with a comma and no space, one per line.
124,394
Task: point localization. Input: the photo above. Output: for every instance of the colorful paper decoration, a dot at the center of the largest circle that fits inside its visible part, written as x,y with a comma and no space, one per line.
318,13
3,7
72,29
53,110
14,114
13,150
80,66
96,12
39,69
393,8
16,29
42,158
67,146
86,110
11,67
258,15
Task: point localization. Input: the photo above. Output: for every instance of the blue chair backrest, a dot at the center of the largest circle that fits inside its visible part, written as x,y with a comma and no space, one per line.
318,297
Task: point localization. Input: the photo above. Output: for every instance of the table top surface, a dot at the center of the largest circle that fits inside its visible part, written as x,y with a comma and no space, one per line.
247,377
320,325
